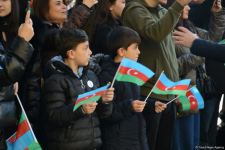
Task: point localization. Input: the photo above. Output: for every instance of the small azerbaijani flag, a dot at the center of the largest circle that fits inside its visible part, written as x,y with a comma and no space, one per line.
222,42
23,138
165,86
192,100
134,72
92,96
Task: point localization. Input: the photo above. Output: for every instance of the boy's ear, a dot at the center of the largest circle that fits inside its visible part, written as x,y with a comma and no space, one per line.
70,54
121,52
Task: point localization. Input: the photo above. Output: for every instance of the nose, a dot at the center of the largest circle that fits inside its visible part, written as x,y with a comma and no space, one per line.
64,6
89,50
138,51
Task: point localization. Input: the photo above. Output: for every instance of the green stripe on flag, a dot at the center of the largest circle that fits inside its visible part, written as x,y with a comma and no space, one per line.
34,146
172,92
92,99
22,118
129,78
184,103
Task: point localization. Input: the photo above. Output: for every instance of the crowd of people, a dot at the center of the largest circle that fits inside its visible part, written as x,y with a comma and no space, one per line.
51,51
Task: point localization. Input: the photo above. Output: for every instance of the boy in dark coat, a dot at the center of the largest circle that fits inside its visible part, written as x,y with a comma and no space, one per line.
68,78
125,128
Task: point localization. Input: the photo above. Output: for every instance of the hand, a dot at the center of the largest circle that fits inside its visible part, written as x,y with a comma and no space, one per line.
184,2
217,6
90,3
26,30
89,108
108,95
159,106
184,37
138,106
15,87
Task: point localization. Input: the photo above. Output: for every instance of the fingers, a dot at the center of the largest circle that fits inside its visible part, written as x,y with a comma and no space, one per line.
138,106
108,95
159,106
89,108
27,18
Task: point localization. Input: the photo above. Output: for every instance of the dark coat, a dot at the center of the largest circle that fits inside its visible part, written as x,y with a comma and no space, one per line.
13,61
215,58
124,129
65,129
99,40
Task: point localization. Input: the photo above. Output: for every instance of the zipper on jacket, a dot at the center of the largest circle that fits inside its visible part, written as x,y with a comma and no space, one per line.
82,84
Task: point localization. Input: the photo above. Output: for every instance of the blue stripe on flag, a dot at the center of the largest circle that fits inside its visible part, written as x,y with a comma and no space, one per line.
198,97
21,143
137,66
93,92
168,83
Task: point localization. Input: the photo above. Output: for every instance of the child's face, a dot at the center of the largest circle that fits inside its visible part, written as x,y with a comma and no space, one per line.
82,54
132,52
5,7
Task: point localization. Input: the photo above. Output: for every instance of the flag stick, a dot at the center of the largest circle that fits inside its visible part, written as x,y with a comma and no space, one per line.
26,117
179,96
114,78
153,87
172,100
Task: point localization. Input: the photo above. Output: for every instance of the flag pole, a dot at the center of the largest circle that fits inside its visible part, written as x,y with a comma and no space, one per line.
153,87
114,78
172,100
26,117
179,96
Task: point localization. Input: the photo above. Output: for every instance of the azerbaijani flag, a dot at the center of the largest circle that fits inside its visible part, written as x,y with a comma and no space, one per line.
23,138
134,72
165,86
91,96
222,42
192,100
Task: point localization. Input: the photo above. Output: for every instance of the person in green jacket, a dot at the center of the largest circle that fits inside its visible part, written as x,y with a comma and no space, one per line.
155,25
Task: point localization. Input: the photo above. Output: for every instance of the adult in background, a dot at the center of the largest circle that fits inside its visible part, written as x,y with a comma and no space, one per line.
15,52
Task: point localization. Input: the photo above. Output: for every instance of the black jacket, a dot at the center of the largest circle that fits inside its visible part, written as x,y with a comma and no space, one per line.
65,129
215,59
124,129
99,40
12,66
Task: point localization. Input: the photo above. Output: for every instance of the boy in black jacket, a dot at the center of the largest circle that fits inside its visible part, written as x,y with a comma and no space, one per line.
125,128
67,130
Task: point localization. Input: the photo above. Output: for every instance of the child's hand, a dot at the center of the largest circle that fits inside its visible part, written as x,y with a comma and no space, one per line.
108,95
26,30
89,108
138,106
159,106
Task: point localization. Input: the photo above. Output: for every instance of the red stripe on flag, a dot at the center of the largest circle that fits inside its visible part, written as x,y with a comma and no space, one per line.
133,72
192,100
22,129
90,96
162,87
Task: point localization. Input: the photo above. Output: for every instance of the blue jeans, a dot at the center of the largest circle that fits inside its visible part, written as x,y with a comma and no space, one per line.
186,132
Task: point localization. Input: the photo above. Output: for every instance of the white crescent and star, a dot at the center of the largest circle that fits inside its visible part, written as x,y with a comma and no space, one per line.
132,73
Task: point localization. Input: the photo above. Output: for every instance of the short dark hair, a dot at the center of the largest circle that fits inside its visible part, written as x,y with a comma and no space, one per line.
70,38
121,37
